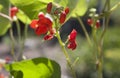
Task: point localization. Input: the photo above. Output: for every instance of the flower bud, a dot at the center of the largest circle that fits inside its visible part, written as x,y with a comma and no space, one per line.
67,10
97,24
62,17
89,21
13,11
49,7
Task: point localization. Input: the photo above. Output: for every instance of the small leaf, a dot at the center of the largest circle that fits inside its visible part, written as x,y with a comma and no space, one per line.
4,22
35,68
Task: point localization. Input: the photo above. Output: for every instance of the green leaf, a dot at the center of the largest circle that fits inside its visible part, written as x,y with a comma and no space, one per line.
30,7
4,22
78,7
35,68
1,7
23,17
17,74
81,8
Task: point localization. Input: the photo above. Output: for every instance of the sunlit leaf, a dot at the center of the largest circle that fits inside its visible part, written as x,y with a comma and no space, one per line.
35,68
4,22
1,7
31,8
23,17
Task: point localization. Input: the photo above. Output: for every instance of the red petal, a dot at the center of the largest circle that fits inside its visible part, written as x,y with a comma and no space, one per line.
72,35
72,45
67,10
41,15
49,7
34,24
48,37
62,17
13,11
89,21
41,30
45,21
97,24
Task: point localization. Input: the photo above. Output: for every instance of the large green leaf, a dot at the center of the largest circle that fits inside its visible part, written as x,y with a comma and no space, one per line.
4,22
35,68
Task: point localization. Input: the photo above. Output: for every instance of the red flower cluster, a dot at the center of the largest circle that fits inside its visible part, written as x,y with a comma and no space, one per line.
42,26
72,43
90,22
13,11
44,23
62,14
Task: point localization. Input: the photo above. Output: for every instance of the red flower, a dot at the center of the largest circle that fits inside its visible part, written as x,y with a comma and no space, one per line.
72,35
42,25
13,11
34,24
72,43
48,37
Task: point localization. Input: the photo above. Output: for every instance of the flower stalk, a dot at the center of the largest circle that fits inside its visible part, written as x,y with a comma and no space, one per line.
65,53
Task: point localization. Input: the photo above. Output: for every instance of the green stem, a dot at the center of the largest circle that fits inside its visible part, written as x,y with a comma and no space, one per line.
13,44
100,53
84,29
20,52
65,53
18,31
115,7
5,16
25,36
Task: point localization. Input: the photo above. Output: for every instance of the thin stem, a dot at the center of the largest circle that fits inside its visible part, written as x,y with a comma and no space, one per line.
100,53
18,31
20,52
84,29
13,44
5,16
65,53
24,37
105,6
115,7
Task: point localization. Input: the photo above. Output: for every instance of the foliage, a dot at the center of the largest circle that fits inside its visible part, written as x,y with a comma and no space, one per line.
4,22
35,68
29,10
